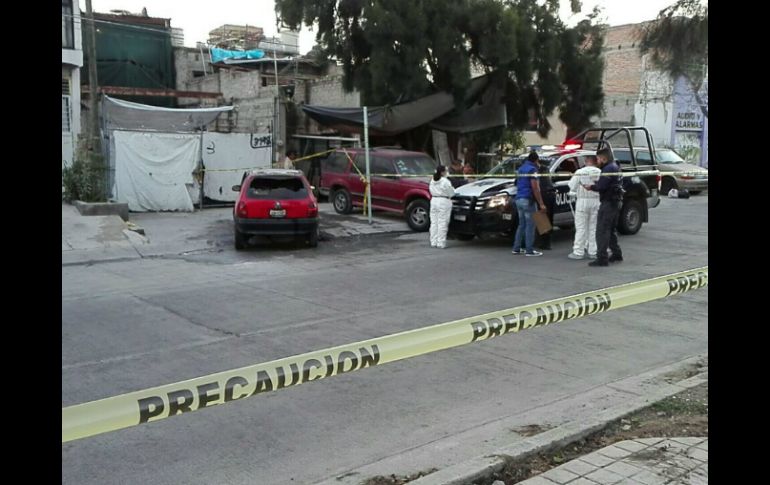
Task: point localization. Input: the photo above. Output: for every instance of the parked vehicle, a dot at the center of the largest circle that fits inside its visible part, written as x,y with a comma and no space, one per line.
487,205
399,180
273,202
676,173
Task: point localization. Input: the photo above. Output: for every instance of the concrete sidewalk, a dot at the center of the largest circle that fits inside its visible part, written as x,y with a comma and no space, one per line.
651,461
87,239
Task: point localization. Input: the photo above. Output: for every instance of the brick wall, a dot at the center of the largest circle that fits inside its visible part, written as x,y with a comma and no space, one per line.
623,71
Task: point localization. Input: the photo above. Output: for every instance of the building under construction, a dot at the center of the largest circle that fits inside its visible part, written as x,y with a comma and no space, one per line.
236,37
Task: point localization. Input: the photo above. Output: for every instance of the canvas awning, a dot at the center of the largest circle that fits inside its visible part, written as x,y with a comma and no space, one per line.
438,109
126,115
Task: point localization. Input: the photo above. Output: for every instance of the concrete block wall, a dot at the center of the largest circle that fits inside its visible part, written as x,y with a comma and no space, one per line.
186,61
254,102
329,92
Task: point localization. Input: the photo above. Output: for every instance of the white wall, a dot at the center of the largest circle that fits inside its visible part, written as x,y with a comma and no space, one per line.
69,138
654,109
74,56
72,61
657,118
235,151
67,149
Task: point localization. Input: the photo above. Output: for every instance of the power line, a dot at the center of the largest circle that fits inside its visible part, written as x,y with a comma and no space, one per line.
81,19
121,24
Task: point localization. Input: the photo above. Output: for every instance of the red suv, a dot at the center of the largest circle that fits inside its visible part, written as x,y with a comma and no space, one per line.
399,182
274,202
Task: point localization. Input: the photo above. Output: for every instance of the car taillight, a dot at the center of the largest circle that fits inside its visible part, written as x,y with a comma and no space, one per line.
242,211
312,209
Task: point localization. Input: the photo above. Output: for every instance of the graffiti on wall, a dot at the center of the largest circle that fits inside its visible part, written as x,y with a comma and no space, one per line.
690,128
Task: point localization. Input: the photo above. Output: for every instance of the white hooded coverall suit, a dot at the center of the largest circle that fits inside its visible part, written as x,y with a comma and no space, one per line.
441,192
586,209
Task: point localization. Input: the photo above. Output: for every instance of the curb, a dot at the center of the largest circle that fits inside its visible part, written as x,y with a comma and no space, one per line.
102,209
482,466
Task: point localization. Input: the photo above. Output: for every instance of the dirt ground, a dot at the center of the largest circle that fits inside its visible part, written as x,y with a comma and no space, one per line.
684,414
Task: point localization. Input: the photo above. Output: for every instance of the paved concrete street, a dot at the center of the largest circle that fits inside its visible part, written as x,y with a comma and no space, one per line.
187,304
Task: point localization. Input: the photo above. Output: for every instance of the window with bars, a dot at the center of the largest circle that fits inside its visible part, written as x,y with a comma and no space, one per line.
66,115
67,25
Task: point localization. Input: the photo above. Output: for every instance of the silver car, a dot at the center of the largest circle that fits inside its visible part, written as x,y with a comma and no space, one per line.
676,173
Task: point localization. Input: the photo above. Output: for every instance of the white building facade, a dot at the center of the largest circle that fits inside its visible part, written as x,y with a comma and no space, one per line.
71,62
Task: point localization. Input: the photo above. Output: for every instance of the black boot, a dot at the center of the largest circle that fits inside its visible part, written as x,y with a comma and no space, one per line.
598,262
544,241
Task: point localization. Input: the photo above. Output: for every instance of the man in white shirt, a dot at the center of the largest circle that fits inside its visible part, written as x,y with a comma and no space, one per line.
288,162
586,209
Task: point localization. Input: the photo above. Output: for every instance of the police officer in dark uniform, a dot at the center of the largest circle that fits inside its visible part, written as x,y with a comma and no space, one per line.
610,188
548,191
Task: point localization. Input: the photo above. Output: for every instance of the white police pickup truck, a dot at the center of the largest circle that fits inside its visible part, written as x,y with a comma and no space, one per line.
487,205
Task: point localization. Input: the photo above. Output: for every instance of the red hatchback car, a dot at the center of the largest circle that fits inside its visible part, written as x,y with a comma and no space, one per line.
399,182
273,202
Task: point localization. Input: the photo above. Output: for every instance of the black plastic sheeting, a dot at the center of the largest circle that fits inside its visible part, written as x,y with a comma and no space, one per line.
484,109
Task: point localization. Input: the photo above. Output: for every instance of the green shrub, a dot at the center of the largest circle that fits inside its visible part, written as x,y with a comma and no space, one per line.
84,180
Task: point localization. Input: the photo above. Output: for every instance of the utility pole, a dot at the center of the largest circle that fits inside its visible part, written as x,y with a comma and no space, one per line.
93,99
276,108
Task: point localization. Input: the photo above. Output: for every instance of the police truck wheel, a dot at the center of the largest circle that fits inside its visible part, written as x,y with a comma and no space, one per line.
630,217
418,215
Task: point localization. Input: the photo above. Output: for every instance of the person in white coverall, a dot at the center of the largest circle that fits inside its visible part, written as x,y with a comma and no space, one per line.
441,192
586,209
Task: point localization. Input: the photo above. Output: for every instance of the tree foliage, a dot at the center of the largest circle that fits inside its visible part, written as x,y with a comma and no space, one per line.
397,50
677,42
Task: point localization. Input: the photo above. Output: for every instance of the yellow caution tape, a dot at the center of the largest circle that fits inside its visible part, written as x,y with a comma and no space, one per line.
363,179
150,405
306,157
314,155
536,175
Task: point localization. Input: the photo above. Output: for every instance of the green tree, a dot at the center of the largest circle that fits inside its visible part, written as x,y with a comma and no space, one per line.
677,42
397,50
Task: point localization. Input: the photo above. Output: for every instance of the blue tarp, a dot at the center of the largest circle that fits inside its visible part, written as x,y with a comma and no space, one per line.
218,55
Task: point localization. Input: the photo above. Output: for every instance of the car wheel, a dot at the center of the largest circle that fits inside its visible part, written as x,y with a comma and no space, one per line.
341,201
630,217
668,184
240,240
465,237
312,238
418,215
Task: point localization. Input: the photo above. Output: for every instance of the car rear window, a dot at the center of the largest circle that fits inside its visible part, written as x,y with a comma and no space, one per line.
415,165
336,163
277,188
